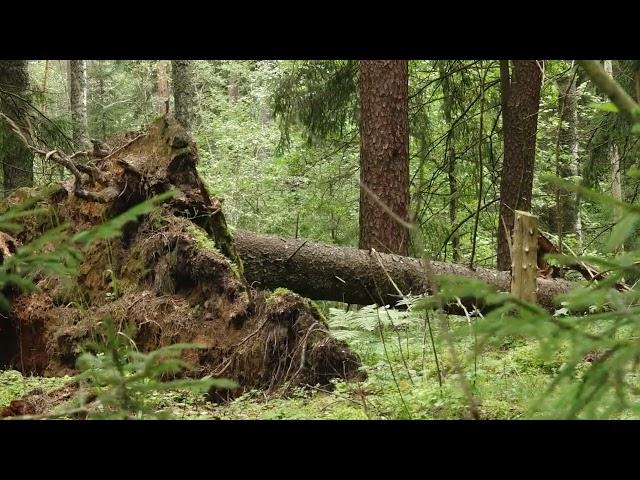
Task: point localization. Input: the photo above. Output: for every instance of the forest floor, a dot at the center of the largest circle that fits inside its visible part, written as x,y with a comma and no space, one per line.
403,378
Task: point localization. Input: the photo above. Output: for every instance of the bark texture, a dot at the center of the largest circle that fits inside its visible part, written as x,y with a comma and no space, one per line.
16,158
520,103
161,100
184,92
350,275
614,158
450,160
569,219
78,100
384,155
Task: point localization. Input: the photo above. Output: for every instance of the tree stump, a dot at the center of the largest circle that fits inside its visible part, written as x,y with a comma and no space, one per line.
524,251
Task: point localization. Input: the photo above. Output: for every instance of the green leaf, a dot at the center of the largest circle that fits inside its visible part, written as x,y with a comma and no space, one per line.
622,230
604,107
635,128
588,193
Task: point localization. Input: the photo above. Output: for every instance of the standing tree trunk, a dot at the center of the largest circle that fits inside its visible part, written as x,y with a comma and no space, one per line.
520,103
16,158
384,155
636,80
184,92
44,86
614,159
569,216
233,88
78,99
450,159
162,89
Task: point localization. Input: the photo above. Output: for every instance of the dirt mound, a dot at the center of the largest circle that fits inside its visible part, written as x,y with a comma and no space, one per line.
174,275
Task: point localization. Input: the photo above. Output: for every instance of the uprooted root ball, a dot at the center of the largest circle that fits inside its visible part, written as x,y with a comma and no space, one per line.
174,275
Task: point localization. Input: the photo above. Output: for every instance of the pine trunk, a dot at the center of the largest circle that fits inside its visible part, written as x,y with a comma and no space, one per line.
162,88
569,219
17,160
520,103
343,274
450,161
184,92
384,155
78,99
614,158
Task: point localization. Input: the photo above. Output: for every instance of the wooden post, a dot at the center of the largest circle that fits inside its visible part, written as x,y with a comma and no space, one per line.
524,251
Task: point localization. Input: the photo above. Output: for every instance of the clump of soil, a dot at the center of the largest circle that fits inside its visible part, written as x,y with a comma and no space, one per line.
174,275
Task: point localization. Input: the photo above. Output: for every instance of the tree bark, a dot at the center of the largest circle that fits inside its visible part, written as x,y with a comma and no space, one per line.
184,92
569,218
384,155
16,158
343,274
44,86
614,158
78,99
162,88
521,100
450,158
233,89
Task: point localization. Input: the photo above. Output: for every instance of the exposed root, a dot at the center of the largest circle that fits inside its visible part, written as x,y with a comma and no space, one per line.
174,276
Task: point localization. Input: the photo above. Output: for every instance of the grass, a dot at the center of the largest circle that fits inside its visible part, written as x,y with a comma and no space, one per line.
402,383
14,385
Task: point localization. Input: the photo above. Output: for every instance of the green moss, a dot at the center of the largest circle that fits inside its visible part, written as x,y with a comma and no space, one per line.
13,385
202,239
313,306
156,218
277,293
235,270
214,229
224,240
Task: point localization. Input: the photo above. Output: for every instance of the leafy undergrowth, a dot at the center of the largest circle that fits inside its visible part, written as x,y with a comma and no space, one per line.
404,380
14,385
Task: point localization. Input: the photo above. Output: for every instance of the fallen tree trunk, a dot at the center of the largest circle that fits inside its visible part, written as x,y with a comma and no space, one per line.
326,272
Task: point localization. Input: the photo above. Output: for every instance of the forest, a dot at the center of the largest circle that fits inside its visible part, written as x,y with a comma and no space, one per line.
319,239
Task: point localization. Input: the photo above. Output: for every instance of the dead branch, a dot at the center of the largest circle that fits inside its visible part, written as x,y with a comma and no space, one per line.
59,157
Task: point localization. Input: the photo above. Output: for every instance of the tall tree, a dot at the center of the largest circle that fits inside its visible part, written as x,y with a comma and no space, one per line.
78,99
450,155
614,156
520,90
162,88
16,158
384,155
184,92
567,216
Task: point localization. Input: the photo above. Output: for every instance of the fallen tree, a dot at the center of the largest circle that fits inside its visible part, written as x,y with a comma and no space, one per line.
173,274
326,272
